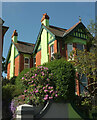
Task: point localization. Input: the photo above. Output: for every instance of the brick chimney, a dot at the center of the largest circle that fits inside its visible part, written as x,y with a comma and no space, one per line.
45,19
14,36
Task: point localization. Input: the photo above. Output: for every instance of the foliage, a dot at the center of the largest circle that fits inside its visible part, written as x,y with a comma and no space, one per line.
63,78
57,55
39,86
18,84
3,65
8,92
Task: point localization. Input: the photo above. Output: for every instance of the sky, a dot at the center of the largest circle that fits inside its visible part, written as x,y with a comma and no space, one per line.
25,17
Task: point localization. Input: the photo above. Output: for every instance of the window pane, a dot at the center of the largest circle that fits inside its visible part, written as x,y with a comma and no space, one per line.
80,46
69,49
26,60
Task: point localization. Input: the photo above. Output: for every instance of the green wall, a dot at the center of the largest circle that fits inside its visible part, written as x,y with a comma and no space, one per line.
13,54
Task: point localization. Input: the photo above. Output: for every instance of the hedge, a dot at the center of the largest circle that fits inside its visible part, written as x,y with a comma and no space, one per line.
64,78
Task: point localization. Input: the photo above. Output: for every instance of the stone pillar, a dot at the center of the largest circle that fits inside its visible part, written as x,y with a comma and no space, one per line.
25,112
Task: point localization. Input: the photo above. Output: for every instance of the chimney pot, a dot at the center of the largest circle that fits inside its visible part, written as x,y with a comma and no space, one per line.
15,33
45,16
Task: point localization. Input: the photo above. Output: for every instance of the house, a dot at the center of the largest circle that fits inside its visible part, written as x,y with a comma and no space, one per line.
19,56
52,39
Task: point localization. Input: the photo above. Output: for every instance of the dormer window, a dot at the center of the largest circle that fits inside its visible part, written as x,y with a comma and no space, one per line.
26,62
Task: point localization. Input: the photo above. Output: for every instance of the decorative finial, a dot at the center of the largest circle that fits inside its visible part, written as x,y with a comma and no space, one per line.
80,19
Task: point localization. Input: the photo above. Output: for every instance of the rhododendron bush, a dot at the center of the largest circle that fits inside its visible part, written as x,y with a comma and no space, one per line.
40,86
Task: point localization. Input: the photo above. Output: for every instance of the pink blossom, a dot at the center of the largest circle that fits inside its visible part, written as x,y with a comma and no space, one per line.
35,74
25,90
45,90
22,77
51,91
51,87
47,79
32,76
56,95
50,97
46,95
45,98
36,91
32,81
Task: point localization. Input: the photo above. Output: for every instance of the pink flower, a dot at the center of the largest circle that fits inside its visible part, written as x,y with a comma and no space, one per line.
47,79
22,77
32,81
32,76
50,97
35,74
56,95
46,95
36,91
45,90
25,90
51,87
45,98
51,91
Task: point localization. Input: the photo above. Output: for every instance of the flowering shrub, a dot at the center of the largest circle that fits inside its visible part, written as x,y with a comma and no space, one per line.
39,86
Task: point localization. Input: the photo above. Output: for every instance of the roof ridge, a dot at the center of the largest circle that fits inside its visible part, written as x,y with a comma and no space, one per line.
25,43
57,27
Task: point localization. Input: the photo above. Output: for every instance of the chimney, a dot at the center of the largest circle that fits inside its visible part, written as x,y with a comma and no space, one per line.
45,19
14,36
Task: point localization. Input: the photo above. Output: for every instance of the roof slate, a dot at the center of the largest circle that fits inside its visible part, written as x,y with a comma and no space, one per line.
56,30
24,47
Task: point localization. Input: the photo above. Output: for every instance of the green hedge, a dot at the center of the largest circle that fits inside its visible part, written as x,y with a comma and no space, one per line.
64,78
8,92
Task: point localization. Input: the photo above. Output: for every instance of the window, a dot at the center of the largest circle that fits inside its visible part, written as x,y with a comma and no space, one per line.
80,46
84,82
69,49
52,52
26,62
34,61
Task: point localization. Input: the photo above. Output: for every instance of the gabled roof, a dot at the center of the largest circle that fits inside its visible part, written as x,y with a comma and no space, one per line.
59,32
56,30
22,47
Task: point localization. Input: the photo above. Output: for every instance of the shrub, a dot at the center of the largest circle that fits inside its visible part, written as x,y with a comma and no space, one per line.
8,92
7,96
39,86
18,84
63,78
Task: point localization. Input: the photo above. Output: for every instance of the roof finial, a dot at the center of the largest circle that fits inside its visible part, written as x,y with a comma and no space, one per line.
80,19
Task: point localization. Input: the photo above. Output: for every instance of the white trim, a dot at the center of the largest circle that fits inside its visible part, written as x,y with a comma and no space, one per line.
27,63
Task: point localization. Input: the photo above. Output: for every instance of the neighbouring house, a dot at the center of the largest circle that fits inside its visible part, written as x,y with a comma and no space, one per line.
19,56
4,30
52,39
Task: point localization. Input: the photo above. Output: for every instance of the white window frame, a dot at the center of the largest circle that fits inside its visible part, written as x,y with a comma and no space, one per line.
52,52
27,63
